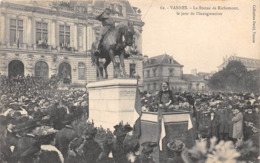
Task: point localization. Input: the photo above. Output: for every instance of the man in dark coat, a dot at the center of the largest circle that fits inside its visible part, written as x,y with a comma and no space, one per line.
91,149
165,97
146,154
214,125
223,127
176,146
248,122
64,137
119,146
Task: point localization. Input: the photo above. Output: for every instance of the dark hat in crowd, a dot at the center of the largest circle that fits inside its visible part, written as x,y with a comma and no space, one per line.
203,131
236,107
68,120
76,143
131,143
148,146
4,119
223,105
122,130
91,130
176,145
190,99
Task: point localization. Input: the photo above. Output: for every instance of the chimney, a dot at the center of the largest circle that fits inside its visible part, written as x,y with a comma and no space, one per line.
145,58
194,72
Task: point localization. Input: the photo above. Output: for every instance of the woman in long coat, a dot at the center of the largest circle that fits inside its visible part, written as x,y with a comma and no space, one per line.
237,124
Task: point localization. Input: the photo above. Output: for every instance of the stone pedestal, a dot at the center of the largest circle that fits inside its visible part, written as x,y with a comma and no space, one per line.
112,101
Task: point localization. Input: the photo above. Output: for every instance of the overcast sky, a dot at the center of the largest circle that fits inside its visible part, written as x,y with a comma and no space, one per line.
199,42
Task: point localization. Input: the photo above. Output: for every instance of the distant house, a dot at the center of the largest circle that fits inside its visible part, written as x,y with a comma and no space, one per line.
163,68
250,63
195,83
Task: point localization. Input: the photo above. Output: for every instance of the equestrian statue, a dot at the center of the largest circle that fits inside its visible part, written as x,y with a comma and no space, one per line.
112,42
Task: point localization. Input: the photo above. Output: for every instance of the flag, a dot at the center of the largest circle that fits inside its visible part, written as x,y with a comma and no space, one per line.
137,113
162,133
190,126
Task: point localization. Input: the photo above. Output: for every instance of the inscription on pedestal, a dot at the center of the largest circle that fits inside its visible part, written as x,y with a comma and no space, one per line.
127,93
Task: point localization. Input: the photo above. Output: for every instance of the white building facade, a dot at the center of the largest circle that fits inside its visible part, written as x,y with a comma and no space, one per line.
53,38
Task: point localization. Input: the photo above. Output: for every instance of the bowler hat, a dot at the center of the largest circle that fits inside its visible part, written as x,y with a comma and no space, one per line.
122,130
176,145
68,120
203,131
91,130
148,146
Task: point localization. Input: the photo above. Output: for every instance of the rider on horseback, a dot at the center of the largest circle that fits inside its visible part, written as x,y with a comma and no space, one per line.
108,24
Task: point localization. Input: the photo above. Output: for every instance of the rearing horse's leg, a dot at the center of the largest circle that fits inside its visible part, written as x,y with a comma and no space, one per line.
108,61
98,69
122,64
116,69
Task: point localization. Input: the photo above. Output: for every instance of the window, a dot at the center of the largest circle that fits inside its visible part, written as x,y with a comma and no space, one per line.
132,70
197,86
148,86
117,9
154,86
42,34
64,37
148,73
154,72
81,70
190,86
16,31
171,72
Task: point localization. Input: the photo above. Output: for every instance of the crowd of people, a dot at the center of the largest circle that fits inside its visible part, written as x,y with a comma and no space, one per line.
223,115
40,122
33,107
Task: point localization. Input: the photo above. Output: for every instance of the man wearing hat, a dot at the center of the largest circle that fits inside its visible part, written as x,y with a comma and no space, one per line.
91,148
107,23
203,133
223,120
176,146
64,136
146,154
85,148
118,145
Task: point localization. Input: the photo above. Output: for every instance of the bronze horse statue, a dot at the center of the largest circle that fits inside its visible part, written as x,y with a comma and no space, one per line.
113,44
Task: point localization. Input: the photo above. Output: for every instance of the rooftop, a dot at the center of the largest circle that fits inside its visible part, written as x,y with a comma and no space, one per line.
190,77
161,59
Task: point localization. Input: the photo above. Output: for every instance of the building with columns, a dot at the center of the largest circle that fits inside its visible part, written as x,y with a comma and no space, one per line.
55,38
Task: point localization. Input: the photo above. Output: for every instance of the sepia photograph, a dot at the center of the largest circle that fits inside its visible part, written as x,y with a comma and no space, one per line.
129,81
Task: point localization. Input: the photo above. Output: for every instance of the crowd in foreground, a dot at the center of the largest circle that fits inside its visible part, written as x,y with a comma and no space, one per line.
41,123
